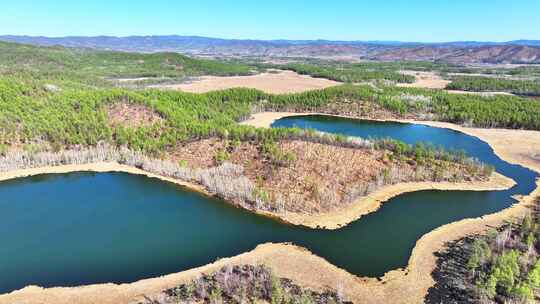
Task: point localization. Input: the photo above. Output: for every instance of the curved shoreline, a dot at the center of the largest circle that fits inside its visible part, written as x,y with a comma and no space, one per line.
100,167
343,216
328,220
403,286
497,139
397,286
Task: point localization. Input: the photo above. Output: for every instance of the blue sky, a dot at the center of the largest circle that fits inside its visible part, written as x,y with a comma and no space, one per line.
412,20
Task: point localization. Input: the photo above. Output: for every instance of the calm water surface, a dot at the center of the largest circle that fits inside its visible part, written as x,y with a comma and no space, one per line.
83,228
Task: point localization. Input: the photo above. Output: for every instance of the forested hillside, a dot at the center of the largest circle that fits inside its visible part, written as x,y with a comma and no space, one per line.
76,67
520,51
73,117
61,96
472,110
196,137
483,84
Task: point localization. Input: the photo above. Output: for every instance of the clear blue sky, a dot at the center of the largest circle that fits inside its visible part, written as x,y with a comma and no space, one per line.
405,20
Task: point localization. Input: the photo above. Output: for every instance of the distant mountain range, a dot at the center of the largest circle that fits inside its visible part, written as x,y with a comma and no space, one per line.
518,51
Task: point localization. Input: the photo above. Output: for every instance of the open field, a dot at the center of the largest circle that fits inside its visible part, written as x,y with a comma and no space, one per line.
426,80
275,83
431,80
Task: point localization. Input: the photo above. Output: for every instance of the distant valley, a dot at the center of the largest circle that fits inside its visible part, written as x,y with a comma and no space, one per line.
466,52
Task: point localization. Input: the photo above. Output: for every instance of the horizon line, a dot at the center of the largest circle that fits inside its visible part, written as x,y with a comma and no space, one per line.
270,40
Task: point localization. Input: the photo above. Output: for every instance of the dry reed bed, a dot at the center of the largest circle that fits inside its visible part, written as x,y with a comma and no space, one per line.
323,174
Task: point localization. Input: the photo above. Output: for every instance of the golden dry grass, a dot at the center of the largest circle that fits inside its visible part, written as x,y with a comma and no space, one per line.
274,83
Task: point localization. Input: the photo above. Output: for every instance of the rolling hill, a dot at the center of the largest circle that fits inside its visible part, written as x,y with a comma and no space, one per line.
464,52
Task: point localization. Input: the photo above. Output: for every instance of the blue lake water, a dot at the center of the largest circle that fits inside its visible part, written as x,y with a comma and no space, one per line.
82,228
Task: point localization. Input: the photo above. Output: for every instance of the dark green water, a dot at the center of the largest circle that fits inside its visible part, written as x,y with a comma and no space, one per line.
83,228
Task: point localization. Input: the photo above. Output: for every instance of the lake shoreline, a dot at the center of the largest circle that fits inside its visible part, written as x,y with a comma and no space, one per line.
407,285
330,220
371,203
99,167
495,138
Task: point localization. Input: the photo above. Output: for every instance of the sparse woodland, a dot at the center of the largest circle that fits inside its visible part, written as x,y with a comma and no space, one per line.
244,284
486,84
500,267
350,73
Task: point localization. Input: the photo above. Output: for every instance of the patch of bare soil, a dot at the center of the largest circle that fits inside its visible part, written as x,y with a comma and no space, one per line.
131,115
274,83
427,80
